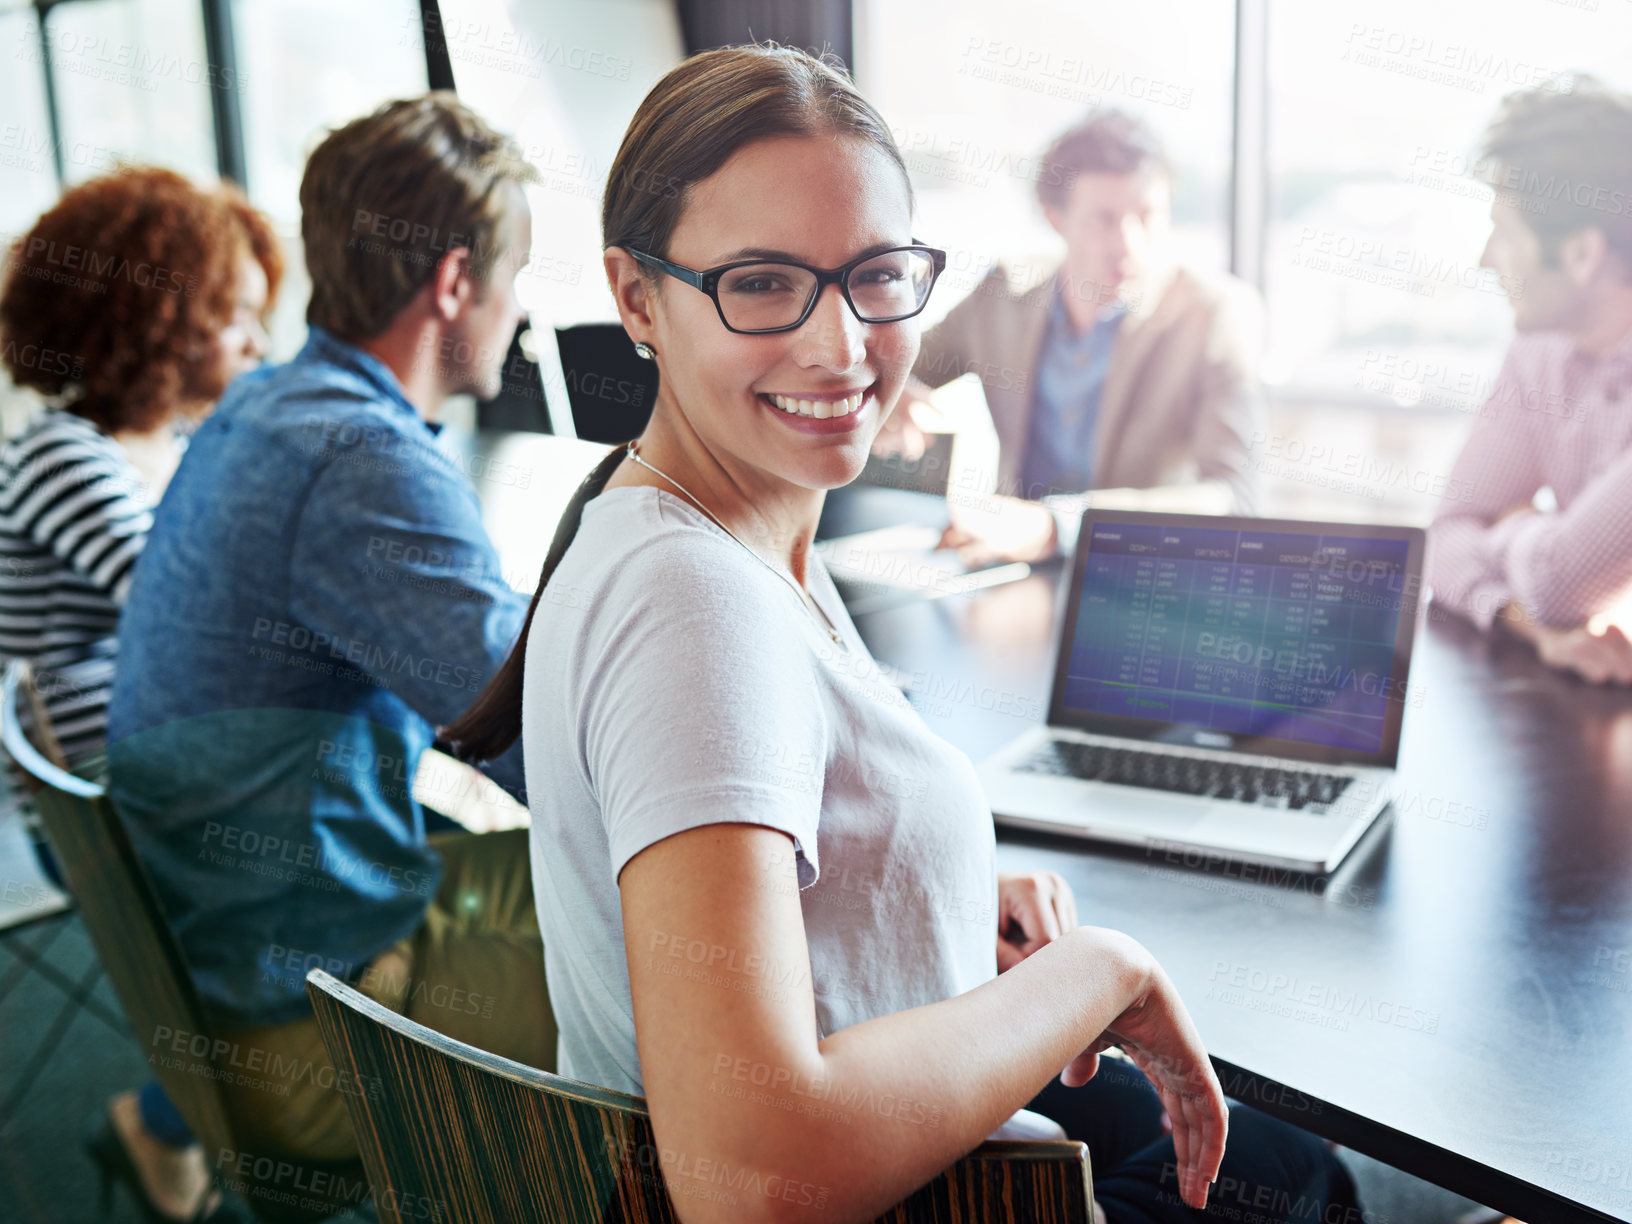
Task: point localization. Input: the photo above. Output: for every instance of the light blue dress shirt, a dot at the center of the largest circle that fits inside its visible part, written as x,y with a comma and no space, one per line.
1065,410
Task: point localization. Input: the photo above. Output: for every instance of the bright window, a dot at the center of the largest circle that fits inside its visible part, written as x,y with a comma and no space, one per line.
308,65
28,176
975,93
1377,223
133,84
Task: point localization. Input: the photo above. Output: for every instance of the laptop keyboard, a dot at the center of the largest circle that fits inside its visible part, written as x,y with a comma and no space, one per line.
1292,789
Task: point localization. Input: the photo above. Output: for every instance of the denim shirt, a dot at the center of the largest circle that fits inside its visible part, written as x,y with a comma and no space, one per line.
316,595
1065,411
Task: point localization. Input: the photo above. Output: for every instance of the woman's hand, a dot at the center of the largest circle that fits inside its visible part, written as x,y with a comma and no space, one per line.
1000,529
1158,1035
1033,909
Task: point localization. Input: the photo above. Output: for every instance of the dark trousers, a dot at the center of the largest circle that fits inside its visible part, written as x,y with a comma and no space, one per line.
1273,1173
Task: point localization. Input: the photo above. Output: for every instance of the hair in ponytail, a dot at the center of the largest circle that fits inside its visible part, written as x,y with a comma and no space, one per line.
493,721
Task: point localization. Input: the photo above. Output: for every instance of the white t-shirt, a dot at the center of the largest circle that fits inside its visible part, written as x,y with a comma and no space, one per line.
673,680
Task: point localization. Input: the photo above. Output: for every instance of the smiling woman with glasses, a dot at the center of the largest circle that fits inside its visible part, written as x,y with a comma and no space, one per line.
752,860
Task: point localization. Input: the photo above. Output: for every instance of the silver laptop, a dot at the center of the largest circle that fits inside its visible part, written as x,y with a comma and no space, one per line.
1234,686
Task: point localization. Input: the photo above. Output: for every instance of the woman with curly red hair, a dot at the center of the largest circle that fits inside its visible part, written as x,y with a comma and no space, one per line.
129,306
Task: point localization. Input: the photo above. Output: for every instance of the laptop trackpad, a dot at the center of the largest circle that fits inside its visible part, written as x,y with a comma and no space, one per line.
1122,805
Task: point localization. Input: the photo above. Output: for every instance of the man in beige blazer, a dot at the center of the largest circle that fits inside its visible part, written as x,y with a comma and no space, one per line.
1121,369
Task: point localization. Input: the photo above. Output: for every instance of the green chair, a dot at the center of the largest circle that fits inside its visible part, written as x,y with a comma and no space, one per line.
139,952
452,1133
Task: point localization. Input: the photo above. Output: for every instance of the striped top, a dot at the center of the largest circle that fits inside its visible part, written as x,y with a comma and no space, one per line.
74,515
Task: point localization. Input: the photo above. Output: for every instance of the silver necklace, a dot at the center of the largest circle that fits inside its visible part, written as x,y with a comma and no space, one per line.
805,597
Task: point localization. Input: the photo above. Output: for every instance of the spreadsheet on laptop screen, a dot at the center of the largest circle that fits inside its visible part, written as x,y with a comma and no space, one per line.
1240,631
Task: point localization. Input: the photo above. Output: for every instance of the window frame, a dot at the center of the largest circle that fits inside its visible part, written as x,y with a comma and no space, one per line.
1248,194
226,108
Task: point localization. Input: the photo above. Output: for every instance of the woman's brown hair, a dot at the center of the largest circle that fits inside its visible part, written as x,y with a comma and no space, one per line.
112,296
687,127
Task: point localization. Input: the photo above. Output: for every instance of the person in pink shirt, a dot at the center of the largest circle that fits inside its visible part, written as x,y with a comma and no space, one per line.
1560,414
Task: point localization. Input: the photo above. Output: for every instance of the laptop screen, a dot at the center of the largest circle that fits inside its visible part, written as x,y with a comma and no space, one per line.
1243,631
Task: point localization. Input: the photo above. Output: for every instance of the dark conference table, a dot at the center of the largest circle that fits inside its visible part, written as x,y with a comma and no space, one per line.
1455,1000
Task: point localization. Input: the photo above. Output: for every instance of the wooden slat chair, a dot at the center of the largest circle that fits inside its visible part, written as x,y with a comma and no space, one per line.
140,955
453,1133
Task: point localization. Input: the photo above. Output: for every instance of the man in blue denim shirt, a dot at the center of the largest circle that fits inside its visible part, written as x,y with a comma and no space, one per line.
318,594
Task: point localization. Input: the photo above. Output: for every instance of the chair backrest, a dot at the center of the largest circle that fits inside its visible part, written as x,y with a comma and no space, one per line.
453,1133
122,915
142,959
610,391
37,723
522,402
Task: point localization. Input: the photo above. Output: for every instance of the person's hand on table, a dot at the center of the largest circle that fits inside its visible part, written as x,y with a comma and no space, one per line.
1598,653
1597,656
1000,529
1033,908
899,435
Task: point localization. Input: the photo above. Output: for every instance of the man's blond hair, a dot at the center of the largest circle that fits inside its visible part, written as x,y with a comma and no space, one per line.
385,197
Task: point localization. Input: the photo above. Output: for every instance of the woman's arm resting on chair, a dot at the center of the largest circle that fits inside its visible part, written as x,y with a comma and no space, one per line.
759,1118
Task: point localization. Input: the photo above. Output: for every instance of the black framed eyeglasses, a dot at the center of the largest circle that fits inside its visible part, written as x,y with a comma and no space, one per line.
758,296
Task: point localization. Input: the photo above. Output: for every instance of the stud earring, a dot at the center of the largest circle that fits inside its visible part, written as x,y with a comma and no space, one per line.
642,349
